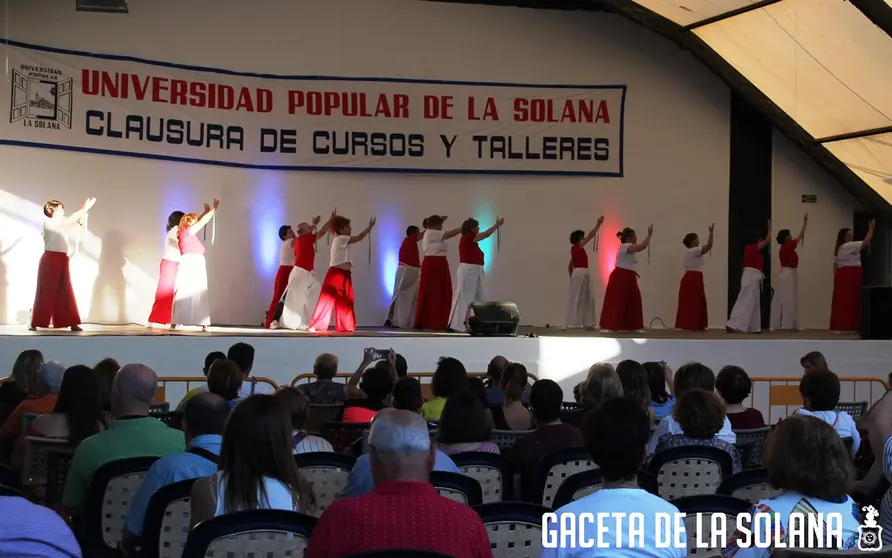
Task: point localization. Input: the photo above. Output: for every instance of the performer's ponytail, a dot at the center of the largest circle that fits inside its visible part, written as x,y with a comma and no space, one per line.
840,240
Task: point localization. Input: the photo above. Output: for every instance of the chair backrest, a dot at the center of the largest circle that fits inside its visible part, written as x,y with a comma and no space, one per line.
506,438
267,533
108,501
492,471
751,486
58,464
756,437
514,528
555,468
8,476
689,470
588,482
34,463
158,409
854,408
317,414
327,473
166,522
27,419
457,487
701,529
342,435
10,491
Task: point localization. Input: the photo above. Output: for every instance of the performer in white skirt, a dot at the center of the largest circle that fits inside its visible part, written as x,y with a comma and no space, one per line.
303,289
469,276
401,313
191,303
580,310
746,316
785,304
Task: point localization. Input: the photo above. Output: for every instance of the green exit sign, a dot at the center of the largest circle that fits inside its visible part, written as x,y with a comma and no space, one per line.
809,198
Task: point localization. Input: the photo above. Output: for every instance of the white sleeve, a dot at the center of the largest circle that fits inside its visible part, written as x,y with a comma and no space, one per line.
662,430
853,431
887,460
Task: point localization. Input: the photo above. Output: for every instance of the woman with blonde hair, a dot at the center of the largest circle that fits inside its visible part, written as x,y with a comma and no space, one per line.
190,301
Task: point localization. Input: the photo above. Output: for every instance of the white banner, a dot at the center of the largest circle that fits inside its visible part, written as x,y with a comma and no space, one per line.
118,105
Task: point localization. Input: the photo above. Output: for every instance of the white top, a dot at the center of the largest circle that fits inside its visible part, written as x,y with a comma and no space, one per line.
668,426
172,245
626,259
278,496
249,388
340,250
616,542
55,235
432,243
693,258
841,421
849,255
886,503
286,252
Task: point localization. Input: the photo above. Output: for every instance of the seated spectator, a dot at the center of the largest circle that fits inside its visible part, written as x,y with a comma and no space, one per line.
354,390
478,388
700,415
132,434
734,386
225,379
377,383
493,383
407,395
256,468
880,436
690,376
636,388
601,384
105,371
41,401
325,391
243,355
361,480
808,462
450,378
203,388
820,394
659,376
402,458
34,531
463,426
297,405
512,415
550,435
616,439
813,361
21,382
204,418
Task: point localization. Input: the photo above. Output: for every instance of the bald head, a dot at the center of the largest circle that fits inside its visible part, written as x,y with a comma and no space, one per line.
400,447
496,366
133,390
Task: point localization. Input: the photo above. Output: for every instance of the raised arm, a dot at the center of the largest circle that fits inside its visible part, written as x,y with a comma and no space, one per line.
451,233
353,391
79,214
644,243
363,234
869,236
488,232
765,241
591,234
205,217
708,246
321,232
802,230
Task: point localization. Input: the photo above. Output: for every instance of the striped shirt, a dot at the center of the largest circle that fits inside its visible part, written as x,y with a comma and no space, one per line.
886,504
309,444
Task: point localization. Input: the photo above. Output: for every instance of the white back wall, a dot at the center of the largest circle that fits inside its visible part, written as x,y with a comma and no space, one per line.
675,155
795,175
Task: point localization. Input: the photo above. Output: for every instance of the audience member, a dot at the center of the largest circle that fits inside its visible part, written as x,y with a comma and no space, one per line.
325,391
41,401
32,531
21,383
401,366
243,355
361,478
809,463
297,405
600,385
734,385
636,388
376,384
478,388
132,434
550,435
662,387
880,436
494,370
700,415
225,379
401,458
450,378
512,415
256,468
463,426
820,394
105,371
407,395
208,361
616,439
78,412
204,418
813,361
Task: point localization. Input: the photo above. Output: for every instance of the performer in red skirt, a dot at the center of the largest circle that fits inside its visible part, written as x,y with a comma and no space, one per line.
435,284
845,310
622,310
54,301
692,314
286,264
167,275
337,287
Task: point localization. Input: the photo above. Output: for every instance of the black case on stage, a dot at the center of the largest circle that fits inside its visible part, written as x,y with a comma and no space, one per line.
493,319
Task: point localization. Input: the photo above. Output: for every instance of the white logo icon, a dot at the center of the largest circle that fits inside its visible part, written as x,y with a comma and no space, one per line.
870,534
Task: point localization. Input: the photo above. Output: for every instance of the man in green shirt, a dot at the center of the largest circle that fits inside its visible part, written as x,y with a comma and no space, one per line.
132,434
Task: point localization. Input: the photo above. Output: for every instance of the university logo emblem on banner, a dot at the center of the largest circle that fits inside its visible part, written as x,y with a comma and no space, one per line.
40,98
870,535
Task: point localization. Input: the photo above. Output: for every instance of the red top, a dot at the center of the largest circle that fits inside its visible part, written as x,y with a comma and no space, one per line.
468,250
409,254
190,244
746,419
378,521
752,257
789,257
305,251
578,257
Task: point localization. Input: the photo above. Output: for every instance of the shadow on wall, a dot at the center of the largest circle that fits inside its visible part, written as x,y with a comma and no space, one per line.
4,281
109,301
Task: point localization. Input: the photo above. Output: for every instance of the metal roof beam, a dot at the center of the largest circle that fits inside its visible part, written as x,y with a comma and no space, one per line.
856,135
732,13
877,11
